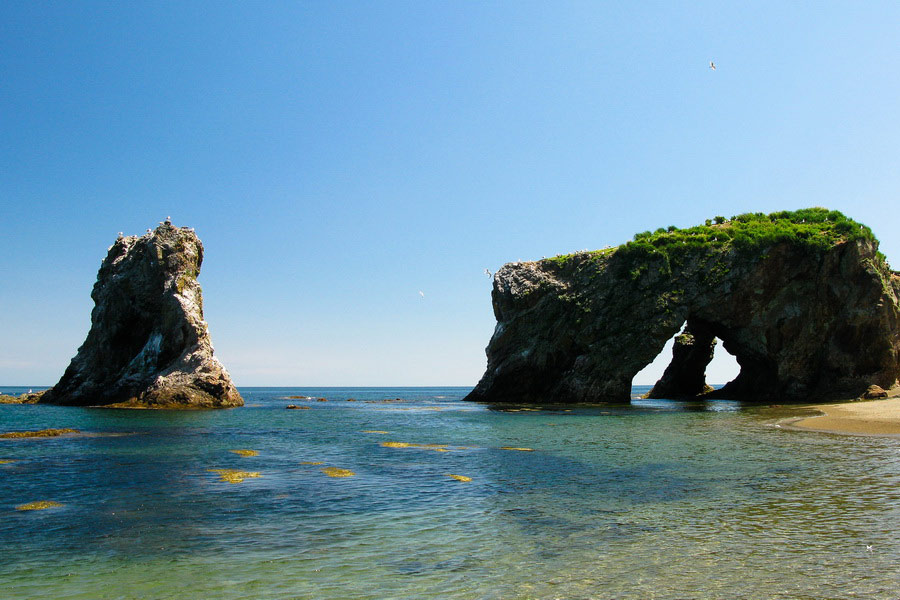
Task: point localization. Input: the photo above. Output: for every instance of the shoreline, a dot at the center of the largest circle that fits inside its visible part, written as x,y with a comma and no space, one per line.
855,417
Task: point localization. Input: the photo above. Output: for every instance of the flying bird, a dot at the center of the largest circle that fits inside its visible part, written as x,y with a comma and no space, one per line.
487,272
421,293
712,65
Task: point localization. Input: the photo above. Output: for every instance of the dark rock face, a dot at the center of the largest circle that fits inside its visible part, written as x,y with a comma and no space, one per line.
148,345
803,322
686,374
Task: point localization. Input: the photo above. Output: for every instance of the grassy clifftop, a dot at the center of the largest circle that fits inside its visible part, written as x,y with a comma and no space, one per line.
814,229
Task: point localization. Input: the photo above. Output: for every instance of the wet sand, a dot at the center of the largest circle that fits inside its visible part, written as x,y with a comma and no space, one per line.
867,417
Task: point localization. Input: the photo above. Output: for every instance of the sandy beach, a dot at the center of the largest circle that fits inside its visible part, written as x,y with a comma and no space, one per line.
868,417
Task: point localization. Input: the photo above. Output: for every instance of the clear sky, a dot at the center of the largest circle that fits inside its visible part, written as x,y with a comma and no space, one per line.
337,157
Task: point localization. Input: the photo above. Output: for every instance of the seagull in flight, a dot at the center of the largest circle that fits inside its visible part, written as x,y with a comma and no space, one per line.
421,293
487,272
712,65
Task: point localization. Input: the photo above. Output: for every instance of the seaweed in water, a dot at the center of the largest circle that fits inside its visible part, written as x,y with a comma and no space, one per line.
335,472
38,434
39,505
233,475
245,452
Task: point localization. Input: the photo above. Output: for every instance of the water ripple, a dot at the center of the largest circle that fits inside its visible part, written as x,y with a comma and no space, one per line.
660,500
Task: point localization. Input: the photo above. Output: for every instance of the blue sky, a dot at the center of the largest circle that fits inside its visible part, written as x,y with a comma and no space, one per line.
336,158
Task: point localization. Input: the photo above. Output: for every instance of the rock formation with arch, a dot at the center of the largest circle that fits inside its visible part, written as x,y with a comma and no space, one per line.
803,300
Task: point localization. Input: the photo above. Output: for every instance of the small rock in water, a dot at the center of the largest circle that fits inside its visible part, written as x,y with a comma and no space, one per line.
39,505
295,407
321,399
26,398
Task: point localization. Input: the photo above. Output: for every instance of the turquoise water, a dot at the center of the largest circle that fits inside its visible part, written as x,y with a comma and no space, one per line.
660,499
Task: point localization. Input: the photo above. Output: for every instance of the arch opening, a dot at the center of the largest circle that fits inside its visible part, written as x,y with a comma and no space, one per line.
653,371
723,368
694,362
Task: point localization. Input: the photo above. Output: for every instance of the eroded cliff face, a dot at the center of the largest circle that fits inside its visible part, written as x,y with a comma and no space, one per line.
804,321
148,345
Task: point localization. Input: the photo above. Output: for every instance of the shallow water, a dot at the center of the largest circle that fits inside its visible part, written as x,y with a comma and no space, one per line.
659,499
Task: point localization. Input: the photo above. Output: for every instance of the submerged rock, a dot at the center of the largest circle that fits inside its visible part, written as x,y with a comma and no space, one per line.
148,346
803,300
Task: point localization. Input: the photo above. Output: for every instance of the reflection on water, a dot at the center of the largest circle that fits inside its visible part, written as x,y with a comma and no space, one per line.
659,499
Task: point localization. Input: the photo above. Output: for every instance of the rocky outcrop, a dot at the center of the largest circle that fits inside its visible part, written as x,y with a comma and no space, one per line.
26,398
686,374
148,346
803,300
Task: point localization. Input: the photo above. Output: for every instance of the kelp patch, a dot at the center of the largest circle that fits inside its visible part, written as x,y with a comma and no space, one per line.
462,478
335,472
245,452
37,434
433,447
39,505
234,475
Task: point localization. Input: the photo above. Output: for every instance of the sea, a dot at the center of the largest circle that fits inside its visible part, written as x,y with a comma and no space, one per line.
411,493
